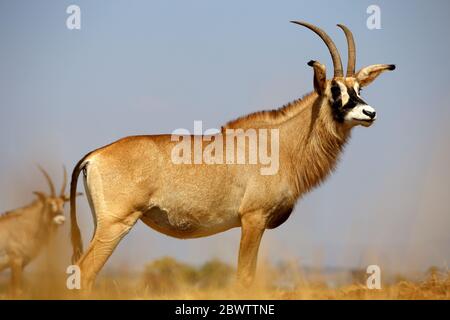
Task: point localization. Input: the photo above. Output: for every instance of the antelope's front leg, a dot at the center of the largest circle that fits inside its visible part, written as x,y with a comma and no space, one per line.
253,226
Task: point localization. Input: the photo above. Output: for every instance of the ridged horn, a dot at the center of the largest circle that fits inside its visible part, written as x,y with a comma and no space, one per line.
49,181
337,63
63,188
351,50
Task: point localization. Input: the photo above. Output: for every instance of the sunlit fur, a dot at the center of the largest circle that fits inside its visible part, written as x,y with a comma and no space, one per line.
134,178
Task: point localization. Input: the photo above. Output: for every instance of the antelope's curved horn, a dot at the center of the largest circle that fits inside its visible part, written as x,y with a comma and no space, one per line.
337,63
351,50
63,188
49,181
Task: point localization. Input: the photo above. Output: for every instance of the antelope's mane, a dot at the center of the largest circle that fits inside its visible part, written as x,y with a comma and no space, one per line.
9,214
272,117
17,212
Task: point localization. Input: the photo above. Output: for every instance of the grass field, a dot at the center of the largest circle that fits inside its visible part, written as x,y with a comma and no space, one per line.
168,278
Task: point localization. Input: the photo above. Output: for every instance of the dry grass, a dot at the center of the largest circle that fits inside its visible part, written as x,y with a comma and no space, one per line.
169,279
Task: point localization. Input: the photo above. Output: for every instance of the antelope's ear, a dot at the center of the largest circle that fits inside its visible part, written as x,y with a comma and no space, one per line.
320,76
42,196
366,75
67,198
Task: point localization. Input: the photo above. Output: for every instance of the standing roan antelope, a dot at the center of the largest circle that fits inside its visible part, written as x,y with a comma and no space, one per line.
134,178
24,231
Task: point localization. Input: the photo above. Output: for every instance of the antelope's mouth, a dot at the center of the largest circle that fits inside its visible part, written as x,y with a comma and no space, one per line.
366,120
59,219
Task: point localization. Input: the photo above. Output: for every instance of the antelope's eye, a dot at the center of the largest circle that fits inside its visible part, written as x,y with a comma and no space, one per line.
335,92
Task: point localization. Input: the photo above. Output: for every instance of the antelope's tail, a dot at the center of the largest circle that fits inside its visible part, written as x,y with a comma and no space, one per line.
77,243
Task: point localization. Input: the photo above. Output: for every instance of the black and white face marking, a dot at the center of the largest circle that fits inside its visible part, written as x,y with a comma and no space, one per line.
348,107
57,211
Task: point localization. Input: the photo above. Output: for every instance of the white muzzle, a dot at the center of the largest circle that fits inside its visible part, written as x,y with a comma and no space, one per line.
59,219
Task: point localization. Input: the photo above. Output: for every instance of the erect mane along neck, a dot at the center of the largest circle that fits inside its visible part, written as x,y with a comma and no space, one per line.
275,117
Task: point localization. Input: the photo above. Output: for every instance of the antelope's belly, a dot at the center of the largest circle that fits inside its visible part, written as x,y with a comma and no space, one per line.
180,223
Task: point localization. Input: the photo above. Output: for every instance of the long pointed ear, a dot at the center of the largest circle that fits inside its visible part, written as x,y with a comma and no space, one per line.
42,196
320,76
366,75
67,198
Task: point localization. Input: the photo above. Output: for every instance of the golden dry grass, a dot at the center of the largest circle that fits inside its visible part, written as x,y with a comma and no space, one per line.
169,279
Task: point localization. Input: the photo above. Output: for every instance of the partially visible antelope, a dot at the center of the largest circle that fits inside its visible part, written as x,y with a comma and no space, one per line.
135,178
25,231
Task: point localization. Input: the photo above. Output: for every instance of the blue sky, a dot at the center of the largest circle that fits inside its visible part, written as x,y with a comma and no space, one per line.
144,67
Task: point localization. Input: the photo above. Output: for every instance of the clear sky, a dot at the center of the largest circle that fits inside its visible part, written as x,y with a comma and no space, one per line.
144,67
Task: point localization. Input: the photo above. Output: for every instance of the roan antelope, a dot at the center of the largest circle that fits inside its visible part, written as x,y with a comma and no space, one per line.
24,231
134,178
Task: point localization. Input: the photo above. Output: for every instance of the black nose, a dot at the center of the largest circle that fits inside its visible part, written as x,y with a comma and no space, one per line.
370,114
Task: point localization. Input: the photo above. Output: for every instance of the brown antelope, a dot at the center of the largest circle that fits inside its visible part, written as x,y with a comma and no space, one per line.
24,231
135,178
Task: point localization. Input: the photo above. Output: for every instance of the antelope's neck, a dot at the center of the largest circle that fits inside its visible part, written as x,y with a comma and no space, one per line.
38,211
315,143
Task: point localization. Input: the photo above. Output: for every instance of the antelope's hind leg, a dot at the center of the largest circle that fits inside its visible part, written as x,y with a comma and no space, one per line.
110,230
